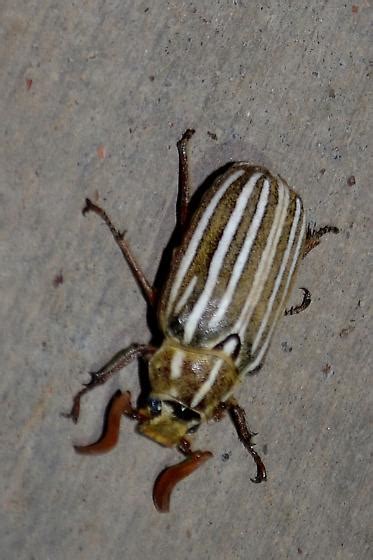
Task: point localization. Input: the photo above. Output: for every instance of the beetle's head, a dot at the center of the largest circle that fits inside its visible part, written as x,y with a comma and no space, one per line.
168,421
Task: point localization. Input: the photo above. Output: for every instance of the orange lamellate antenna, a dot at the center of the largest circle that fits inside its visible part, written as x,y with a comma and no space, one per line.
120,404
170,476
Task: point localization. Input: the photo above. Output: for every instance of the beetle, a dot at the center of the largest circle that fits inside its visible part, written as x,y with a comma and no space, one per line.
234,261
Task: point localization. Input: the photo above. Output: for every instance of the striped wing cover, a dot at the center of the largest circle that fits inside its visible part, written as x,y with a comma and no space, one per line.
235,266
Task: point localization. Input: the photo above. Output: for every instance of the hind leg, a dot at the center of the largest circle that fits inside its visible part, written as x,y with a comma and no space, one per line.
314,235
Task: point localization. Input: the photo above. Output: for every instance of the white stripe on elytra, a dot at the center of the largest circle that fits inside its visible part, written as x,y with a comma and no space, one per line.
265,263
231,345
280,274
197,236
253,365
206,386
243,256
177,364
218,258
187,293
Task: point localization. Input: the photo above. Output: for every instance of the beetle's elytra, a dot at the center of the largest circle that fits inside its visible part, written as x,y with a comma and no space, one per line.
229,278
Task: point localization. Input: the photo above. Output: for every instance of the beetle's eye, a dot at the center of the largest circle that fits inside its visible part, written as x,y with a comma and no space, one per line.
155,406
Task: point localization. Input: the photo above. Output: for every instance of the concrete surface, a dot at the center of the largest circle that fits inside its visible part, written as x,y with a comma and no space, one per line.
94,96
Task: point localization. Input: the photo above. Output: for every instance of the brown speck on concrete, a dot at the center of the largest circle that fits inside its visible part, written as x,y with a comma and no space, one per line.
351,181
346,331
28,84
212,135
354,8
101,152
286,347
58,279
331,93
327,370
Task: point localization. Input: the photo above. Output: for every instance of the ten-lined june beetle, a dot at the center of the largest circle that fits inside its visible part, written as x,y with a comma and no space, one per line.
233,263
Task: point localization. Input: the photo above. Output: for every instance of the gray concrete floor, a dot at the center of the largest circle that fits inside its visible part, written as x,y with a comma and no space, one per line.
94,96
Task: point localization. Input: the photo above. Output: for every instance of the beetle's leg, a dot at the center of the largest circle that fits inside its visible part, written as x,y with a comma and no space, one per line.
120,360
314,235
145,287
294,309
184,180
239,420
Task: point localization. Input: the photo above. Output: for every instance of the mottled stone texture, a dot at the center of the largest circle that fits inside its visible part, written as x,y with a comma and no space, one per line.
93,97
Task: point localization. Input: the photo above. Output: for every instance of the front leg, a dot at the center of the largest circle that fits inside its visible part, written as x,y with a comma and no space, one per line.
120,360
238,417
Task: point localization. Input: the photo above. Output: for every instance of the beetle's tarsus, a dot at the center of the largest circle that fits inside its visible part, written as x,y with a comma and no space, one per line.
75,409
88,206
238,417
302,306
261,475
185,137
145,287
314,235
